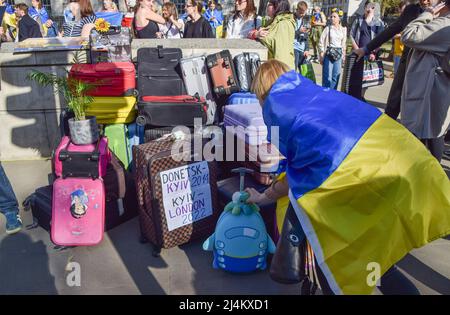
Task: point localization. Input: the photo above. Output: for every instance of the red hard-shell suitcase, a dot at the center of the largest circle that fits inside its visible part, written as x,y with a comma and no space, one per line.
166,111
223,73
109,78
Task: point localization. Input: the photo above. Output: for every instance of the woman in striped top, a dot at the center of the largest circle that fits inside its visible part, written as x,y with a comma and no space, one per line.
84,26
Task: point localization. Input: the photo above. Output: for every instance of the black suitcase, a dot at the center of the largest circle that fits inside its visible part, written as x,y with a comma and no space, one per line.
159,72
166,111
229,186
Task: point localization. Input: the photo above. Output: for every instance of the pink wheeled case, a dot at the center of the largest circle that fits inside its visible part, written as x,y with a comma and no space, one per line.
90,160
78,211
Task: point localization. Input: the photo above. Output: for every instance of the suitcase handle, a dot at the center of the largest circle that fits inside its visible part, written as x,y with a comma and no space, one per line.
95,155
160,47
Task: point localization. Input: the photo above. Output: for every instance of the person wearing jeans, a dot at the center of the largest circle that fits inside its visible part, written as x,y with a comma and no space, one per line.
334,36
8,204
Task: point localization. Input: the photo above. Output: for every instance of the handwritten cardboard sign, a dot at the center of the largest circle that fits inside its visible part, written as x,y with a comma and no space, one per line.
186,194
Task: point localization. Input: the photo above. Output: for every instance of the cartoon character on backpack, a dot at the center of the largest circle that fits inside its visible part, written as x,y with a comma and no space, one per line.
240,242
79,201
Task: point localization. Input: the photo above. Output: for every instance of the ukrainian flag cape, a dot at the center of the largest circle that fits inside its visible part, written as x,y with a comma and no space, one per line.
364,188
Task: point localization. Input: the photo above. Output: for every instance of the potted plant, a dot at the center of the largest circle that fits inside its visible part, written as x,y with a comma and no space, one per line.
83,130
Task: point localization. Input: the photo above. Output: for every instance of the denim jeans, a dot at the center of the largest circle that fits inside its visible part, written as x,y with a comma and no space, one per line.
8,200
331,73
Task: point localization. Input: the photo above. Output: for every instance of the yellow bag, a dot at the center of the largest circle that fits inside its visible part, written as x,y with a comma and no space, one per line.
113,110
219,31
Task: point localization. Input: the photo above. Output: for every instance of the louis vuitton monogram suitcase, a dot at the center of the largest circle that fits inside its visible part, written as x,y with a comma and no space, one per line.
177,199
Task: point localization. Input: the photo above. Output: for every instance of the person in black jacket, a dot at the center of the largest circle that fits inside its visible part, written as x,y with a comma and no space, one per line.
410,13
28,28
197,26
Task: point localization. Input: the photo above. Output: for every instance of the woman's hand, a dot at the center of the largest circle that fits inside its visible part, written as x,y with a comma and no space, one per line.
49,23
359,52
262,32
159,35
255,196
306,54
436,10
372,57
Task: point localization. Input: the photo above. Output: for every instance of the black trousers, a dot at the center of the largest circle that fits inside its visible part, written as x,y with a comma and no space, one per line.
355,82
435,146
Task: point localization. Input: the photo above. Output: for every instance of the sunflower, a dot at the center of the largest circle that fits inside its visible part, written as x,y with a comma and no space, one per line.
101,25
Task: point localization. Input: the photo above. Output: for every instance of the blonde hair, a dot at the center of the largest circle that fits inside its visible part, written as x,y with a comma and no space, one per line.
267,74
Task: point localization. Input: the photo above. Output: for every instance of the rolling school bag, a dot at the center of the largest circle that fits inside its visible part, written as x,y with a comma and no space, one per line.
120,199
177,197
227,187
113,110
91,160
246,65
78,211
159,72
223,73
167,111
197,81
108,78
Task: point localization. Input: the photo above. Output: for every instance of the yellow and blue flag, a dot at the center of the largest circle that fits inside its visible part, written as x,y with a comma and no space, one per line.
366,191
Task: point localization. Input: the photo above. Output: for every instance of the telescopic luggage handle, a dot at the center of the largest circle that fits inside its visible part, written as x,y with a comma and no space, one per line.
95,155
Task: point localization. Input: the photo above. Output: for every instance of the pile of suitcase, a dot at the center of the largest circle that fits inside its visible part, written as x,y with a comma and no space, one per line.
177,199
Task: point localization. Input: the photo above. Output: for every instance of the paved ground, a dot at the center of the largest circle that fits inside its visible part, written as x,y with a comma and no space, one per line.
121,265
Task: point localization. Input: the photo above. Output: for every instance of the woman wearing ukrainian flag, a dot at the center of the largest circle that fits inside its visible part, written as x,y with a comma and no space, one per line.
364,189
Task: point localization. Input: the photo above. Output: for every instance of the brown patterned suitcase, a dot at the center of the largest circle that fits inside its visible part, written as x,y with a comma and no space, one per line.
161,182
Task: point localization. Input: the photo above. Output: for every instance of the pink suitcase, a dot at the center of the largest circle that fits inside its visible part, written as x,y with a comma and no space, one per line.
73,160
78,212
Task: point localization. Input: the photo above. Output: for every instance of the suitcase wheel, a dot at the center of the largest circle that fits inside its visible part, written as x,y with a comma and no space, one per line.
141,121
143,239
33,225
135,93
156,251
211,64
226,63
231,81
